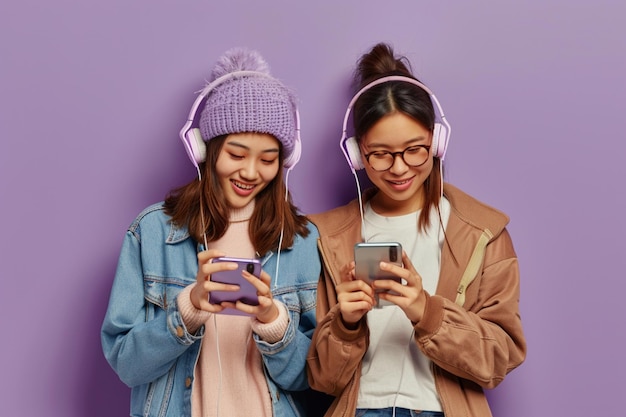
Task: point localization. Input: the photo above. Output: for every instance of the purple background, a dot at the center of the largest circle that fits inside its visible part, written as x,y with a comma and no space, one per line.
92,95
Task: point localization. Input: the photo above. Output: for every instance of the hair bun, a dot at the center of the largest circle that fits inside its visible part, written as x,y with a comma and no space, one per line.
240,59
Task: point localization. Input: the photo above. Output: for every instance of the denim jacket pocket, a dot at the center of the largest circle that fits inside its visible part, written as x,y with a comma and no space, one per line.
162,291
299,299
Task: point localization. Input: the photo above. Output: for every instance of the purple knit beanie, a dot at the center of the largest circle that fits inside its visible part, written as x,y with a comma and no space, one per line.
249,103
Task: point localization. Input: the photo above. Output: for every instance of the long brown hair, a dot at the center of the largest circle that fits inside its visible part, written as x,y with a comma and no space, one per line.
271,211
392,97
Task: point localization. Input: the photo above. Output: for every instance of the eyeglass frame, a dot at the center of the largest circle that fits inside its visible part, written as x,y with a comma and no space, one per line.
395,154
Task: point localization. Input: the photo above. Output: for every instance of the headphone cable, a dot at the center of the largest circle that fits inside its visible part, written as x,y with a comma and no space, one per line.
358,188
407,353
282,229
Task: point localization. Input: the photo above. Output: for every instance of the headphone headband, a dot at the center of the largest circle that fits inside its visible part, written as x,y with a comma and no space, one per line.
213,84
441,132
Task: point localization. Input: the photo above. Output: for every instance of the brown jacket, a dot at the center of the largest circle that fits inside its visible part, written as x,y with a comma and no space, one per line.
471,329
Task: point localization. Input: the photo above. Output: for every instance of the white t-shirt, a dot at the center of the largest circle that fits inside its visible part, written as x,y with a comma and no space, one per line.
395,373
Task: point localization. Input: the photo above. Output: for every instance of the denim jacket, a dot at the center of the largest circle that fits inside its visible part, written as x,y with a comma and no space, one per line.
146,342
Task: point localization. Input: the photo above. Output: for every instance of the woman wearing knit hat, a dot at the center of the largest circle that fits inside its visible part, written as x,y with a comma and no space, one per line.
180,337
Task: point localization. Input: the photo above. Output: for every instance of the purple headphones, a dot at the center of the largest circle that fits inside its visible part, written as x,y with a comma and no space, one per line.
192,138
441,131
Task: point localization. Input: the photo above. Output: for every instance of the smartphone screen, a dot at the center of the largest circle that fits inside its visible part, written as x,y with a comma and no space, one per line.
368,255
247,293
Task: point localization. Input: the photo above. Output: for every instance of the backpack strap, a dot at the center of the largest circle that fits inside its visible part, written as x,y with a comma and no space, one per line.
472,266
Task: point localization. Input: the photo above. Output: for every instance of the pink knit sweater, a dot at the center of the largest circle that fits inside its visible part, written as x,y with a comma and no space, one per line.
229,378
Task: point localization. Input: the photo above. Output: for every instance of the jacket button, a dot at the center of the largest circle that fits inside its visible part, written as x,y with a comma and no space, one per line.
187,382
179,331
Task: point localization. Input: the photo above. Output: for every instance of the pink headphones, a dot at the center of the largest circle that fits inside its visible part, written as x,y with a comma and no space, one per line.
441,131
192,138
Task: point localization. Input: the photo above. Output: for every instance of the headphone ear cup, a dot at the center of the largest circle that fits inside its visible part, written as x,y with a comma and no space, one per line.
440,139
295,155
197,147
353,153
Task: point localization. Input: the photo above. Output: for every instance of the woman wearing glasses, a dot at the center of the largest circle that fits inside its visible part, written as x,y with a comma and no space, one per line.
429,344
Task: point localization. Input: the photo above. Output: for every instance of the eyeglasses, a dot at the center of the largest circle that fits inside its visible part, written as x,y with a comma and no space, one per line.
413,156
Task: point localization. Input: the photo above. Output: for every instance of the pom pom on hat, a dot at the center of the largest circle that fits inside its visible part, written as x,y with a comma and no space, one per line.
239,59
248,102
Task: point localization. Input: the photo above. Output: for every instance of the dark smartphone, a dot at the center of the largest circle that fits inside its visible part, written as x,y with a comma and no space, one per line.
246,293
368,255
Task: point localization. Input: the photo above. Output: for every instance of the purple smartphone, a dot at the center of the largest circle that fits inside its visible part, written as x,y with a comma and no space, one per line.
247,293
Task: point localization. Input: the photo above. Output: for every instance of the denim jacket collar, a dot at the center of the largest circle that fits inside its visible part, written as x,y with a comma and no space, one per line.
176,234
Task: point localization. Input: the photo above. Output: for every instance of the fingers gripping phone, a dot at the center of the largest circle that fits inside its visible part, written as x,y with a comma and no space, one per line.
368,255
247,293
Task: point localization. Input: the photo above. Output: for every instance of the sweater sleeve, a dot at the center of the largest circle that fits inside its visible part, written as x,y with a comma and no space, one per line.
274,331
192,317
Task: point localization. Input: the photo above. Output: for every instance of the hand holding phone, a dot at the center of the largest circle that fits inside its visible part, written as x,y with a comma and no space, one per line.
369,255
246,293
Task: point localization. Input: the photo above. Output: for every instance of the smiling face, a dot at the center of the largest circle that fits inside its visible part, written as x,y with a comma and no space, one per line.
401,187
246,164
